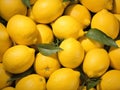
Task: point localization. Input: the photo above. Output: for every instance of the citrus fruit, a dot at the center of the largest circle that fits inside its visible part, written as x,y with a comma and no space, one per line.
106,22
72,54
31,82
46,65
70,27
118,17
64,79
45,33
18,59
89,44
5,41
116,7
11,8
94,6
96,62
8,88
4,77
110,81
22,30
114,56
80,13
46,11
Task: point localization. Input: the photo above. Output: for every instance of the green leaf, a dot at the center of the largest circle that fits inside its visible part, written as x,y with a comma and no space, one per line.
17,76
91,83
48,49
27,3
101,37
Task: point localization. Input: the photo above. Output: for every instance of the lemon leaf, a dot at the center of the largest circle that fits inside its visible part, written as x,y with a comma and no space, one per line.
92,82
27,3
101,37
48,49
17,76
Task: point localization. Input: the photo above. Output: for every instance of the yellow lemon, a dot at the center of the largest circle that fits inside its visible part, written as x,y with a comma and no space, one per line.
11,8
89,44
64,79
106,22
116,6
4,77
115,57
46,34
72,54
22,30
31,82
94,6
96,62
8,88
110,81
46,65
80,13
118,17
5,41
18,59
66,26
46,11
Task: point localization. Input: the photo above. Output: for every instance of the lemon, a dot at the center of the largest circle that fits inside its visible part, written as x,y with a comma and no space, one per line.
96,62
94,6
8,88
31,82
106,22
64,79
46,11
66,26
89,44
18,59
72,54
80,13
11,8
22,30
5,41
46,65
110,81
45,33
4,77
116,7
118,17
114,56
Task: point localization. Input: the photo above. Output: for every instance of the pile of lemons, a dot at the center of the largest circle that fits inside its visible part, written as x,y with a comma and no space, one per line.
68,21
